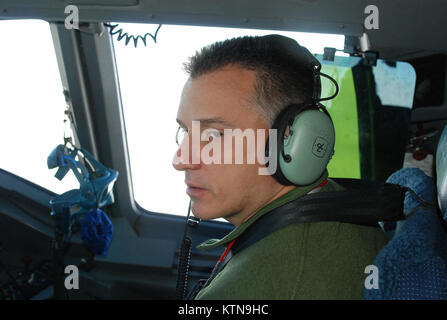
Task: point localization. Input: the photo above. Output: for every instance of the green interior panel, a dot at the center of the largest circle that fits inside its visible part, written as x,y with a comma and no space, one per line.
343,109
371,115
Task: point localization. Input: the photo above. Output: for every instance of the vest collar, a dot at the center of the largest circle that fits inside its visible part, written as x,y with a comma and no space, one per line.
290,196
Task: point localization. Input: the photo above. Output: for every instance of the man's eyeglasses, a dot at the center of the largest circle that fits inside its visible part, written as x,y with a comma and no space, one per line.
206,135
180,135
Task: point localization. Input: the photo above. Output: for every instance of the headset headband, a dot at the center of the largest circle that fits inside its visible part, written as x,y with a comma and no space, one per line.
303,56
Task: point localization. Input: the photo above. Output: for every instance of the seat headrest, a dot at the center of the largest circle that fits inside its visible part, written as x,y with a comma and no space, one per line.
441,172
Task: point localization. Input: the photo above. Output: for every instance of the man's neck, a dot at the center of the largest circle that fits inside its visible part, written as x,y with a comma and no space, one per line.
237,220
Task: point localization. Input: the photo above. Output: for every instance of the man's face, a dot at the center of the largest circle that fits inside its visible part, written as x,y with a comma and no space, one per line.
221,100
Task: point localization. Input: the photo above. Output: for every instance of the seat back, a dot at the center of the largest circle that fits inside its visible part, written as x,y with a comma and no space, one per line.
441,172
413,265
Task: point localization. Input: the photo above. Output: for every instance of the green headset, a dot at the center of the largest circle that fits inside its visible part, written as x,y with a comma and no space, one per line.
305,132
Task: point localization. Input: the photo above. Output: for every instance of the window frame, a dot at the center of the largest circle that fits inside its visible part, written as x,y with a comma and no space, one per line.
96,66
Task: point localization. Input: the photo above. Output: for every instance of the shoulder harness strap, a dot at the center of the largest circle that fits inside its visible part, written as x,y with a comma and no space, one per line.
363,203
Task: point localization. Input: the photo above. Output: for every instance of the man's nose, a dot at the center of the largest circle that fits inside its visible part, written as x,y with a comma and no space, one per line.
184,158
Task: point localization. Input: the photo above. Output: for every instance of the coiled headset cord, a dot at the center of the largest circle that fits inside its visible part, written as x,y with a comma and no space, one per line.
184,260
121,34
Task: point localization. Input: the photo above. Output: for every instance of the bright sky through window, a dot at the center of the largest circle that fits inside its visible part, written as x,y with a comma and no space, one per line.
32,103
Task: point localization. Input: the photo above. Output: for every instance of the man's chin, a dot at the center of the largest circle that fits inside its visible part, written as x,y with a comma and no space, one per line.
204,212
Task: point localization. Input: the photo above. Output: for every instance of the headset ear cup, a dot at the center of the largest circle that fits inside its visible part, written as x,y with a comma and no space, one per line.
310,146
277,174
282,121
302,157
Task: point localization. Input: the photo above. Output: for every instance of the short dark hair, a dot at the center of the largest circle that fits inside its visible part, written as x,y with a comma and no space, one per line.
281,79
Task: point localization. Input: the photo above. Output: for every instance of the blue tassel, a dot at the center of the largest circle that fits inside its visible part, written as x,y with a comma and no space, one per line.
97,231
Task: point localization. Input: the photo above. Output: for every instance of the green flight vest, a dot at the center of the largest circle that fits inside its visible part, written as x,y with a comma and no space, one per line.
312,260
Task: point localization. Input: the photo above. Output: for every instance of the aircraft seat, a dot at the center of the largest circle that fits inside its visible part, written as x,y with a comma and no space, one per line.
413,265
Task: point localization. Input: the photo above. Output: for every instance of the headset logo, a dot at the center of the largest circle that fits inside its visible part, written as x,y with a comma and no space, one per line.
320,146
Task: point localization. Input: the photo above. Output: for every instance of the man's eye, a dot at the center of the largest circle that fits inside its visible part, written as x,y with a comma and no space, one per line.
210,134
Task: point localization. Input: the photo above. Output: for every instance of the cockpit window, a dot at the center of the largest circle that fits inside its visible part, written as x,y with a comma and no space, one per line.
151,81
32,103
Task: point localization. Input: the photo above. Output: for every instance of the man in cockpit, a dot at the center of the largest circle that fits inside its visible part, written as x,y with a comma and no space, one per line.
240,88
